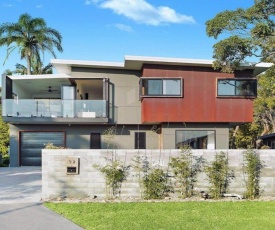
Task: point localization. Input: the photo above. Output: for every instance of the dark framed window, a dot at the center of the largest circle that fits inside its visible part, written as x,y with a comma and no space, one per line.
161,87
196,139
237,87
140,140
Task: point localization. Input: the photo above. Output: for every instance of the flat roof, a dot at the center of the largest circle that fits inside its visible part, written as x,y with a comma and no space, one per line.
136,63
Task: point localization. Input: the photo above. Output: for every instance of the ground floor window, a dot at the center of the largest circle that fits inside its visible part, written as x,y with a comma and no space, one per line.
196,139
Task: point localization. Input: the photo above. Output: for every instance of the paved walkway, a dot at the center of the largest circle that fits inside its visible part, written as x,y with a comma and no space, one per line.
20,202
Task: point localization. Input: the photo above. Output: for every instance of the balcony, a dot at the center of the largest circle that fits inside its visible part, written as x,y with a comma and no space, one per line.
45,111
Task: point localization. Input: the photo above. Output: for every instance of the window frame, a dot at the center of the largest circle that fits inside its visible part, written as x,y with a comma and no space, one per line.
253,80
142,87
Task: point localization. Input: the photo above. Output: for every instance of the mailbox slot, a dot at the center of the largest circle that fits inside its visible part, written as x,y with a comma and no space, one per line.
71,169
72,164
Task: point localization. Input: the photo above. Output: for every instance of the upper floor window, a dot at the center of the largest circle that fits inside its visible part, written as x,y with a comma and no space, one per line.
157,87
237,87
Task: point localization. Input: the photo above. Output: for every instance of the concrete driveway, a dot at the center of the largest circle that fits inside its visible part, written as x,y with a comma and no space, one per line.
20,185
20,202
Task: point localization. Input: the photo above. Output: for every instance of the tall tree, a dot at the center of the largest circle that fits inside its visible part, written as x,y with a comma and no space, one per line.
264,104
32,37
251,34
37,68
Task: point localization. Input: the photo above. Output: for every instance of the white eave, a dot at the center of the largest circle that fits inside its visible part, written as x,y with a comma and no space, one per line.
65,65
38,76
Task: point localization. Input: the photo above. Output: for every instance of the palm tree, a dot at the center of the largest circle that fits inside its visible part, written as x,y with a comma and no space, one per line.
37,68
31,36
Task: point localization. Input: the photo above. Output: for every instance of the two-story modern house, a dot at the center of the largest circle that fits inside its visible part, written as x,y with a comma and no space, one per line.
142,103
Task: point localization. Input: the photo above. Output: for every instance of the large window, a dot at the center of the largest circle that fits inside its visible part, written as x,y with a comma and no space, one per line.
158,87
196,139
237,87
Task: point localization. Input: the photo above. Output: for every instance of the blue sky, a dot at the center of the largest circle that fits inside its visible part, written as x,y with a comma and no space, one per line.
107,30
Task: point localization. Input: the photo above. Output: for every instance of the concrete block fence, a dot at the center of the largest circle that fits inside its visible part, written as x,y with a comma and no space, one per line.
90,182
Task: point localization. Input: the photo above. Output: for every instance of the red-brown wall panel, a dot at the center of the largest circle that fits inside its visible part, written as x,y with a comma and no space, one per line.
199,103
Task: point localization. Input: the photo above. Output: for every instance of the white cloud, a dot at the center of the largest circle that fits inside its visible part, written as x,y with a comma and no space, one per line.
124,27
39,6
143,12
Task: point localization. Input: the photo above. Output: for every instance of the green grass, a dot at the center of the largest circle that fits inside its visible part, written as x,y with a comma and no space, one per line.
170,215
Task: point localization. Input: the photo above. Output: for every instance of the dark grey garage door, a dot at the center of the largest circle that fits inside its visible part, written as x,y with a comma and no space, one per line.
31,144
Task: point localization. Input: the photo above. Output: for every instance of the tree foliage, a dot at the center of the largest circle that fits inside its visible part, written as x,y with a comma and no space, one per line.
32,37
37,68
264,104
245,137
4,135
251,34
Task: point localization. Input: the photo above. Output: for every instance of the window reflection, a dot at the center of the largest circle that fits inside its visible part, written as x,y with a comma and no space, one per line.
203,139
161,87
237,87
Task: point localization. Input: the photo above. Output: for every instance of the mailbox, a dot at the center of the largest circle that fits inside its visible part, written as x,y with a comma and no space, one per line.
72,164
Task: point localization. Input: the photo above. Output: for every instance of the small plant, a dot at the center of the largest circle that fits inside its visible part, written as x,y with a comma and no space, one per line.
219,175
109,135
153,182
265,147
4,160
185,168
51,146
141,164
252,169
114,173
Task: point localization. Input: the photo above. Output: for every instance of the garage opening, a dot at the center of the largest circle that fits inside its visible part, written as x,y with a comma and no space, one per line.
32,143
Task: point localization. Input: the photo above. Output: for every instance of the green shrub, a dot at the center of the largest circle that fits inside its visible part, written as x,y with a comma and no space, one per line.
153,181
155,184
219,175
252,169
6,161
185,168
52,146
114,173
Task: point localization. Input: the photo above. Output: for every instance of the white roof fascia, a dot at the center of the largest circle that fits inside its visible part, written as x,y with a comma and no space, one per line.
168,60
40,76
264,65
64,66
87,63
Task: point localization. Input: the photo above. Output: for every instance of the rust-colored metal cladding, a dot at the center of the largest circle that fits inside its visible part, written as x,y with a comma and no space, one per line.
199,102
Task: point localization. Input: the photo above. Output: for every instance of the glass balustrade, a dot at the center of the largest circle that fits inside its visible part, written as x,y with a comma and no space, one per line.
54,108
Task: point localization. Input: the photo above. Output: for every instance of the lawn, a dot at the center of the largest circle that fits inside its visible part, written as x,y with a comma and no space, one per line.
170,215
